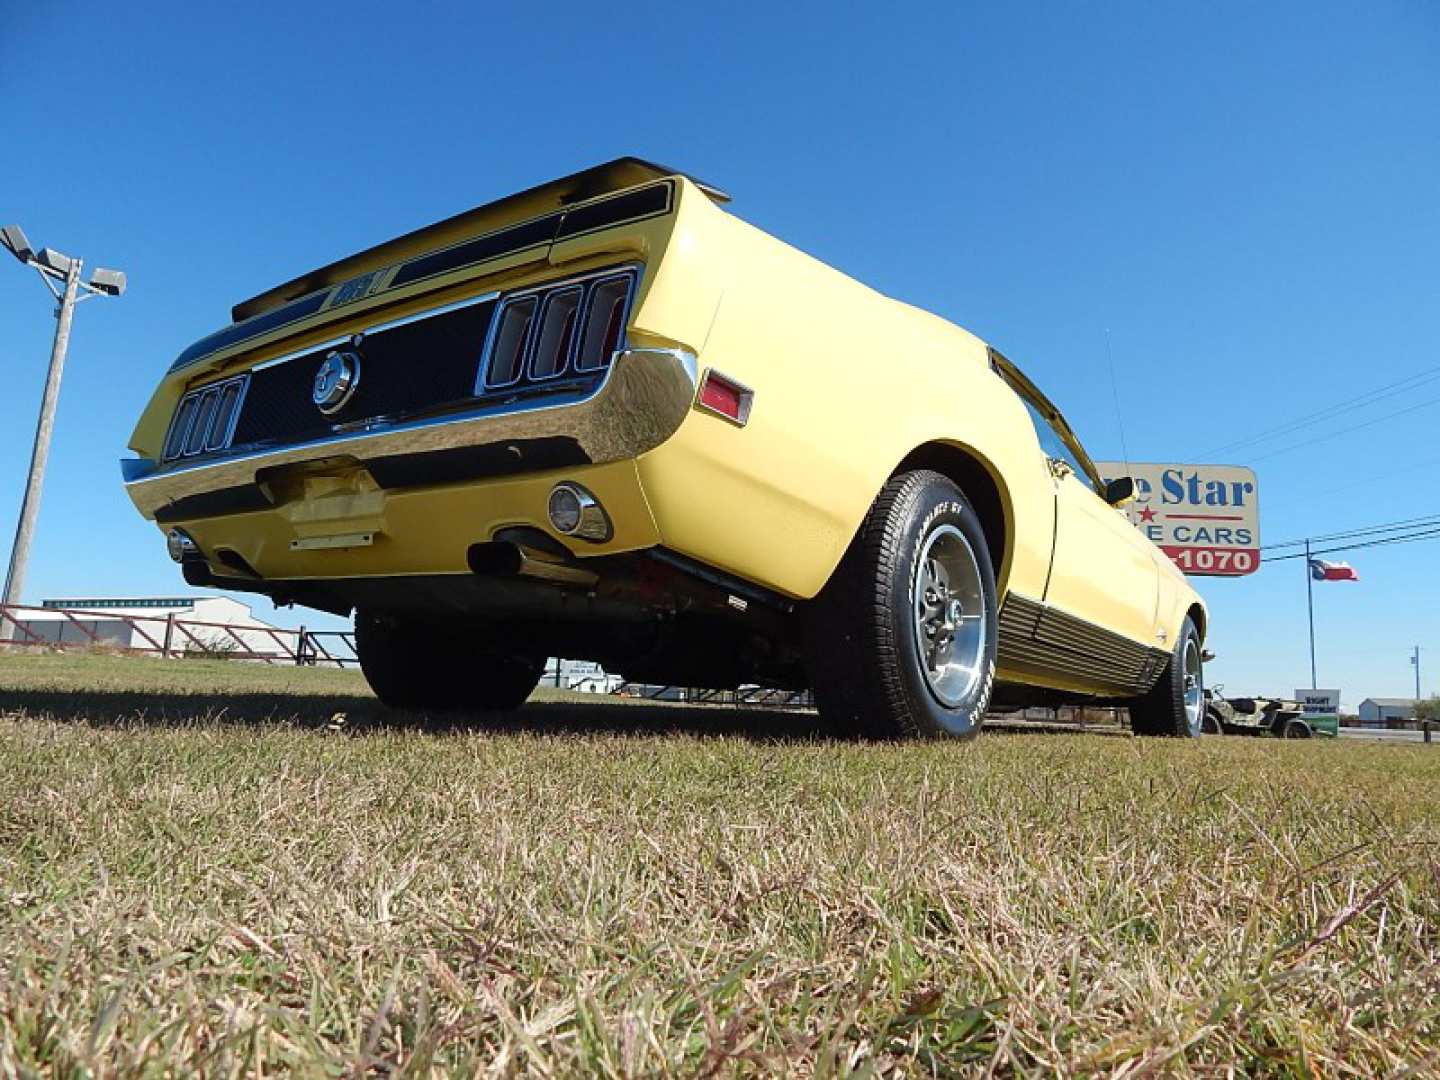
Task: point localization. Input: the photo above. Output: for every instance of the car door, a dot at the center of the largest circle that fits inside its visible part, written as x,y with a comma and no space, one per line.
1102,571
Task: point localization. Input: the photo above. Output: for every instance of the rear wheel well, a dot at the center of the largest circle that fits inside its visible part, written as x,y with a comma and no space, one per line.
980,489
1197,616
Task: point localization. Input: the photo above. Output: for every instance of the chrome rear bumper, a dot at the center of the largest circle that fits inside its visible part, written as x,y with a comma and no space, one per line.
643,400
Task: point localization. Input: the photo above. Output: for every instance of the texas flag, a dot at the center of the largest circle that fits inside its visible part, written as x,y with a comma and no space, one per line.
1321,570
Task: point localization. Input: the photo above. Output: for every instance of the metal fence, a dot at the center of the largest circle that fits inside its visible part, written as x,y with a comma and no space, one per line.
171,636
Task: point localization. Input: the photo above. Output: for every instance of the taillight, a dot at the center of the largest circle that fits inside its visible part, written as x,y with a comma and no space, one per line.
576,325
557,332
224,423
200,430
723,395
508,355
205,419
604,323
180,427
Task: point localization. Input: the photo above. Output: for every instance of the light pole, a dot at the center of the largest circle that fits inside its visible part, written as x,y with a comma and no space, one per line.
1415,659
52,267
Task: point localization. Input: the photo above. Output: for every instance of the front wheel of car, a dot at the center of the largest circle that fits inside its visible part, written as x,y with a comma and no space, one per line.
902,638
1175,705
432,666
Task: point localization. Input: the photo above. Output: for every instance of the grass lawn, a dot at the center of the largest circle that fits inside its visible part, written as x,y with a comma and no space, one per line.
202,868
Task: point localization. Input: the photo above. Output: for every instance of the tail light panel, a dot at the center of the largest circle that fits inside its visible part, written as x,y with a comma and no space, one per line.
205,419
559,336
571,327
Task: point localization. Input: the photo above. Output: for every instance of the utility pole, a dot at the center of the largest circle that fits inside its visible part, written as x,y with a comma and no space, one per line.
1415,659
52,267
1310,603
40,454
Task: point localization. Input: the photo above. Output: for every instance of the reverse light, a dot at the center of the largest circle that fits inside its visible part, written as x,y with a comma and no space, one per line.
726,397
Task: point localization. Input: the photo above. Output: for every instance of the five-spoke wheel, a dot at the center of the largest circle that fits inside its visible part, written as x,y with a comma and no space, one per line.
949,615
902,640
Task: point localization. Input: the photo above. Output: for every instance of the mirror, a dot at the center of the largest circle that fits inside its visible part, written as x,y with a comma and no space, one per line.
1120,491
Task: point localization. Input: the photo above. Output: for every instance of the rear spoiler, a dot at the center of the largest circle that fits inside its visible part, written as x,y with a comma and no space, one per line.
615,175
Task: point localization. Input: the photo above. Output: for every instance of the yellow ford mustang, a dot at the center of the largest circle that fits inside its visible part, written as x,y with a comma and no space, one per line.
606,419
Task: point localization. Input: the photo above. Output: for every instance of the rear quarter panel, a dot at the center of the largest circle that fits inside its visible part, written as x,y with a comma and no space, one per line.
847,383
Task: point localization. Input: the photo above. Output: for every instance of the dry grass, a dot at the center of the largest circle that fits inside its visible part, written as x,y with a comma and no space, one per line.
198,872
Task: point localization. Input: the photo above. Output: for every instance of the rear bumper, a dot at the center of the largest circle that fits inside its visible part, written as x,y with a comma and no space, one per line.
645,396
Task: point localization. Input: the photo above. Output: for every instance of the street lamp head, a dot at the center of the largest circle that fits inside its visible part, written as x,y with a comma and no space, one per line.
109,282
51,259
13,237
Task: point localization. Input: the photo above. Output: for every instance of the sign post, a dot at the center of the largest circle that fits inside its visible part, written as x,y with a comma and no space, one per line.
1310,607
1205,517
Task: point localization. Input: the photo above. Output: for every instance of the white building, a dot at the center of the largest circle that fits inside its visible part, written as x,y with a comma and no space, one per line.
579,675
1387,711
179,624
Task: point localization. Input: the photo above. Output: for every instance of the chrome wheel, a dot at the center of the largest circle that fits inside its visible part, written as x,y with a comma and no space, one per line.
1194,688
949,609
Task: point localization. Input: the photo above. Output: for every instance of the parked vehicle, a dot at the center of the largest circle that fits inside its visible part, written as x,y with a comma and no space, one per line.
1279,717
605,419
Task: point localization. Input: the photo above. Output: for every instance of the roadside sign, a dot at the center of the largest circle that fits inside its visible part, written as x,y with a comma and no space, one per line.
1321,709
1205,517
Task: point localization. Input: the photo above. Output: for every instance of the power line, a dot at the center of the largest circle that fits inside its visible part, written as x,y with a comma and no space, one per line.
1346,431
1409,538
1384,526
1417,523
1428,463
1409,383
1406,539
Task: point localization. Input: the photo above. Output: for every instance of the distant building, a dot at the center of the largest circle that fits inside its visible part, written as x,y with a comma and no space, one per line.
579,675
1387,712
149,623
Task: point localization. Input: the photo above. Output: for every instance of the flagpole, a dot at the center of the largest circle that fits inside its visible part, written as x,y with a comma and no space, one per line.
1310,604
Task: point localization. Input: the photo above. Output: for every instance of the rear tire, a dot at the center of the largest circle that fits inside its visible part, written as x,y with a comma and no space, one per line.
902,640
1175,705
415,665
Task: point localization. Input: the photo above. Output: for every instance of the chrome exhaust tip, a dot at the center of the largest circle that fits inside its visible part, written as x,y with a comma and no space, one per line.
181,546
573,511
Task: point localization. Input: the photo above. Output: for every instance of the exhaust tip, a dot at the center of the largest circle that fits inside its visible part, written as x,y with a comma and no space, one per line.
573,511
181,546
506,559
498,558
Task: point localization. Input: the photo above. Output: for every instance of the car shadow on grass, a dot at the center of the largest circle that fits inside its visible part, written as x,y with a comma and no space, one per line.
362,715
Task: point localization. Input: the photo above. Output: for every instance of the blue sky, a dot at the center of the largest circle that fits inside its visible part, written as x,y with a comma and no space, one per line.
1244,195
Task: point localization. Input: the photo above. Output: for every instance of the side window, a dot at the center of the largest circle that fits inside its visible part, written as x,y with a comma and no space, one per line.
1053,445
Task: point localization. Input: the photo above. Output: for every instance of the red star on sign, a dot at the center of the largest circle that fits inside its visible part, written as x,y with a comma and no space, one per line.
1147,514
